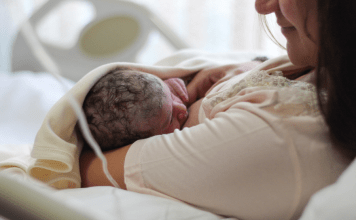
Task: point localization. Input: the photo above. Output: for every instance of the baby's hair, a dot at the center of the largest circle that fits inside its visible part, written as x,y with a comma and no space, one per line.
119,103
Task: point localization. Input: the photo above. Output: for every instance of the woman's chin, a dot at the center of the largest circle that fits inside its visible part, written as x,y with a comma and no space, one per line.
295,58
301,56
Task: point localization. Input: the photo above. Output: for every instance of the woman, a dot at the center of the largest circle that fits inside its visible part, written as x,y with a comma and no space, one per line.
262,146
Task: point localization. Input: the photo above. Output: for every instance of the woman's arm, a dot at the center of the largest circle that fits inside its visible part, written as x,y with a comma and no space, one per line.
91,166
91,170
226,165
231,165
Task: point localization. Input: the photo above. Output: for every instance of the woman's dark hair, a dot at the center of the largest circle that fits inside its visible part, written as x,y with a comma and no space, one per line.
336,73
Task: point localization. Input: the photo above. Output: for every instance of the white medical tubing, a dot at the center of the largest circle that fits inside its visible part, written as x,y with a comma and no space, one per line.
50,66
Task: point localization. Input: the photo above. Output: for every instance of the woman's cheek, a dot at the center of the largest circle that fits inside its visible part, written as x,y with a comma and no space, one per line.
290,11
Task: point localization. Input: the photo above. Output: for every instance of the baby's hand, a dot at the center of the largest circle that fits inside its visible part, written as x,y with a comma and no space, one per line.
178,88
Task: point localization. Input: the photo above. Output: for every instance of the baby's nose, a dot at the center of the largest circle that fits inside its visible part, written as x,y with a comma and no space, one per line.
181,111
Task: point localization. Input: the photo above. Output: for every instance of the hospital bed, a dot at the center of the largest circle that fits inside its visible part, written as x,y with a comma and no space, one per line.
118,31
25,98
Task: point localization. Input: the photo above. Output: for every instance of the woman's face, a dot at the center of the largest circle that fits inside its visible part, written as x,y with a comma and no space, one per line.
299,24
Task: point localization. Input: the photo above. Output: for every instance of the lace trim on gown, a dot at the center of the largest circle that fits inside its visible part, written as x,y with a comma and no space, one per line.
290,92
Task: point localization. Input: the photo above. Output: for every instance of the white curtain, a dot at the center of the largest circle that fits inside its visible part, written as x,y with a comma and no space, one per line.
211,25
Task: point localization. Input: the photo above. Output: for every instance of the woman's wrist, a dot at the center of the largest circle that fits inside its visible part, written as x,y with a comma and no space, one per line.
91,169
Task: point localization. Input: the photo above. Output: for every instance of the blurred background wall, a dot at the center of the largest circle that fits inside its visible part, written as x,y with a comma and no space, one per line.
211,25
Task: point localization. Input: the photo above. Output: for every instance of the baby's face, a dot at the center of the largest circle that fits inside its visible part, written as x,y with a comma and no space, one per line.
174,112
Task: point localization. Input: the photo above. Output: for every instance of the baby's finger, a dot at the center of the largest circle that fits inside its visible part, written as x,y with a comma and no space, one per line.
177,85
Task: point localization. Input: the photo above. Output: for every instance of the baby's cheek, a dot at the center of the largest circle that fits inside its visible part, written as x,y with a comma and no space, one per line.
175,125
170,129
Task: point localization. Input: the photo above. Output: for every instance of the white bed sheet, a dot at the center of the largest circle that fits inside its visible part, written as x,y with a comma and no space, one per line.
126,205
110,203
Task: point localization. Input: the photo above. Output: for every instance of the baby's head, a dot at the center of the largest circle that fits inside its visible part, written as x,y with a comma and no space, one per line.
126,105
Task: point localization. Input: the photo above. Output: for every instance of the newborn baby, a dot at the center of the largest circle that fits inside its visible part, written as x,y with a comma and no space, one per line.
126,105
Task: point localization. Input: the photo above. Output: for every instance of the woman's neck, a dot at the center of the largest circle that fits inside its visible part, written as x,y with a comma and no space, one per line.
295,74
308,76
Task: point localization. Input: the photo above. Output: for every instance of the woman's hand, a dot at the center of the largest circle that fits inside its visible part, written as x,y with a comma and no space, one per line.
205,79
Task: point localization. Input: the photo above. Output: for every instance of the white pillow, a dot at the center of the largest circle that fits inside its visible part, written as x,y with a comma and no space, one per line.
337,201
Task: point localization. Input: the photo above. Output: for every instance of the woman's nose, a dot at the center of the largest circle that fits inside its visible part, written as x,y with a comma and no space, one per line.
266,6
